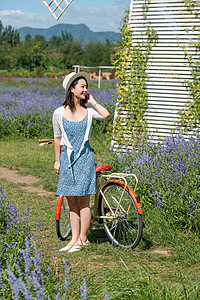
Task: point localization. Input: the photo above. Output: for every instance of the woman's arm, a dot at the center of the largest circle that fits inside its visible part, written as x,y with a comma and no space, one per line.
57,154
100,109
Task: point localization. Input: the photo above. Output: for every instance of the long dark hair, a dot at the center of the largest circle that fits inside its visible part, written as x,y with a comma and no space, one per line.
70,96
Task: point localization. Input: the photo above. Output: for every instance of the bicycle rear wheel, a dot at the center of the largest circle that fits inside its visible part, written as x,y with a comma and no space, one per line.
125,228
63,227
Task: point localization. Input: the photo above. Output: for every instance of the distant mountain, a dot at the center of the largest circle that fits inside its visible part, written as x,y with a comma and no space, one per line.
79,32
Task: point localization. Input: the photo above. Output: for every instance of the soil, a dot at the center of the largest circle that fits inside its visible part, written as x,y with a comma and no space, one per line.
162,252
25,182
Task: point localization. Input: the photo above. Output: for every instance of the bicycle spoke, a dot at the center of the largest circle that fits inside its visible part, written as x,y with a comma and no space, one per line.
125,229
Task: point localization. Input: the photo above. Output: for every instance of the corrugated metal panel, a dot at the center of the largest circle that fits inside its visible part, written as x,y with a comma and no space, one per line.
168,68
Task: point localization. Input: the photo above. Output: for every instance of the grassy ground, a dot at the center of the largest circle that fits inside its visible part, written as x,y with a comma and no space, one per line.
151,271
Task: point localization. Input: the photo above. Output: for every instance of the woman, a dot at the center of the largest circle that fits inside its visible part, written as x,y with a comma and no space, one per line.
74,159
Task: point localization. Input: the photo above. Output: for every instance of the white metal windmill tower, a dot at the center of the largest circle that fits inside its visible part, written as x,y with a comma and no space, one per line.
57,7
178,27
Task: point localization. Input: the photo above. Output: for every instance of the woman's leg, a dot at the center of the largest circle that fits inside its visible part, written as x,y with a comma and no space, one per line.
80,218
74,219
85,216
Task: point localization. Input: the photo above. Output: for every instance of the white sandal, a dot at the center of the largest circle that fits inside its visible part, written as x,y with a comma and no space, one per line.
74,248
66,248
86,243
78,247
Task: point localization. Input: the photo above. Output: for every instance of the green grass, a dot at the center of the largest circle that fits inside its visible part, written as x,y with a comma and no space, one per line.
143,273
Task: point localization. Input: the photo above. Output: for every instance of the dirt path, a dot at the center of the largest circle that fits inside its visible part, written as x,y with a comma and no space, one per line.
25,182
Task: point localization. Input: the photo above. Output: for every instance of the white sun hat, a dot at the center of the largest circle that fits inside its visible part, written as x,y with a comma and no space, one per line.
71,77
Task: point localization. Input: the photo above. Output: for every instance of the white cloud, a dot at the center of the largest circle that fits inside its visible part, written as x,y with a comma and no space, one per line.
17,20
101,18
12,12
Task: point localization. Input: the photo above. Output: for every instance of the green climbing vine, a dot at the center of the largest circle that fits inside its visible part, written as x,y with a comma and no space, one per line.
132,61
189,4
190,114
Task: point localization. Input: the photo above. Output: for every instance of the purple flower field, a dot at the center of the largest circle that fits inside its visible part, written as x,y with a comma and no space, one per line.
22,272
28,110
169,186
169,178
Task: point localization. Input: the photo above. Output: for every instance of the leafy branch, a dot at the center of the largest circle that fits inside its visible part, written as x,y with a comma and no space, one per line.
189,115
132,60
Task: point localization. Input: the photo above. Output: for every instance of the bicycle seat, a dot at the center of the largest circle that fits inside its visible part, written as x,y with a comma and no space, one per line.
103,167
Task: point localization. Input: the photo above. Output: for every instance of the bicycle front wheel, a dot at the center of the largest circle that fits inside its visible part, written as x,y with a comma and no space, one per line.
63,227
122,223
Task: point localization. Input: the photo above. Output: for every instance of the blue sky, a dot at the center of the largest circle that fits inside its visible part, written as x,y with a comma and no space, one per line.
98,15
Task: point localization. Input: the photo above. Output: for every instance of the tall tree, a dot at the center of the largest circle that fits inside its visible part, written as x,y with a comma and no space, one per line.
28,37
1,30
94,53
31,54
10,36
66,37
54,53
72,54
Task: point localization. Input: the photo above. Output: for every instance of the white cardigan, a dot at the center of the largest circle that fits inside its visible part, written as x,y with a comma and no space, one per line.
59,130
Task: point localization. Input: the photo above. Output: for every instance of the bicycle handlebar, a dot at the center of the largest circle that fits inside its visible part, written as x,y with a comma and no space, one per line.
45,141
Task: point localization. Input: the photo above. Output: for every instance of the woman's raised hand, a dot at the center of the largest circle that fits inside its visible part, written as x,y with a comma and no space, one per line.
91,100
100,109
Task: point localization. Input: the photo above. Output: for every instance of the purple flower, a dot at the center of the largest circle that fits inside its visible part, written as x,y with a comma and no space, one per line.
66,285
106,296
83,289
168,174
28,110
13,282
58,296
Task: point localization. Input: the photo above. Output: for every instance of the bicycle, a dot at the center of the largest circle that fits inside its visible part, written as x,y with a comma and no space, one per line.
116,205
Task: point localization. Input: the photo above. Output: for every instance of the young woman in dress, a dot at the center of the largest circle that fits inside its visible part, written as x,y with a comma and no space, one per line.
74,159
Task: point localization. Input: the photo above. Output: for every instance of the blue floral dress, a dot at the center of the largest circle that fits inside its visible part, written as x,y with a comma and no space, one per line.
80,178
